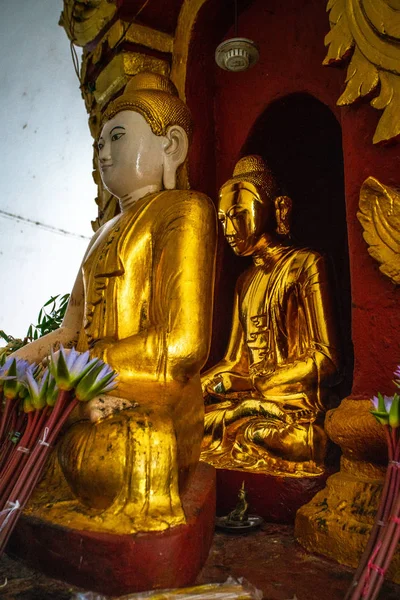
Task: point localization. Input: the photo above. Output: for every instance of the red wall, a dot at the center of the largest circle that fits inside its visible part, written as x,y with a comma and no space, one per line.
290,35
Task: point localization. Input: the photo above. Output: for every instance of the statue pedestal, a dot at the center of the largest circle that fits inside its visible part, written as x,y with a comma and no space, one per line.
338,520
273,497
119,564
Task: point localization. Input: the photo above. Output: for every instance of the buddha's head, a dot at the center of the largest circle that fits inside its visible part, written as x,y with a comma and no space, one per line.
250,209
144,137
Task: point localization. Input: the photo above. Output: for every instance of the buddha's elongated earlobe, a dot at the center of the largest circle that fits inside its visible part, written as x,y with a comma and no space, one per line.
283,210
175,152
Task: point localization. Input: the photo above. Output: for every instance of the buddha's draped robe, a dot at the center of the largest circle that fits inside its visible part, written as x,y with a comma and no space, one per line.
148,279
283,340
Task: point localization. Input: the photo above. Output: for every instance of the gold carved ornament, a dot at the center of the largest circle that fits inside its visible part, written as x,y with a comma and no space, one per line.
369,32
84,19
380,217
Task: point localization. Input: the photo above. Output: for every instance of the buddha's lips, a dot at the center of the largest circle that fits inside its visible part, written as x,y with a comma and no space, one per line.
105,167
233,241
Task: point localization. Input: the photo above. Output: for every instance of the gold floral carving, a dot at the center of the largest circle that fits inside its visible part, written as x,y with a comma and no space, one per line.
369,32
118,72
84,19
380,217
115,74
137,34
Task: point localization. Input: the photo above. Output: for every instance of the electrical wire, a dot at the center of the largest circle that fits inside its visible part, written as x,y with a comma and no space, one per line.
51,228
75,59
71,27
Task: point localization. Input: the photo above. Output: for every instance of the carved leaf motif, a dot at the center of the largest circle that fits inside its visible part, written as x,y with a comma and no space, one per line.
388,100
339,39
362,79
84,19
380,217
372,28
385,16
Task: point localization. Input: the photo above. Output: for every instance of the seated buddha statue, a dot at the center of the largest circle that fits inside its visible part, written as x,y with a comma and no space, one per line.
266,398
142,303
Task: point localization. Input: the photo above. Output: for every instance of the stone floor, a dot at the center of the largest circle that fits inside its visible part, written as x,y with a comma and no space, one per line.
270,559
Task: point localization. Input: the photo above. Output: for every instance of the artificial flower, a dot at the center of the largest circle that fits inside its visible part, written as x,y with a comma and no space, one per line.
68,368
37,389
12,374
99,380
387,409
394,412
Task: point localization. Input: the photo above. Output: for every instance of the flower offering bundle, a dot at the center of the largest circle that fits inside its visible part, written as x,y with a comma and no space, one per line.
36,404
385,533
24,427
11,392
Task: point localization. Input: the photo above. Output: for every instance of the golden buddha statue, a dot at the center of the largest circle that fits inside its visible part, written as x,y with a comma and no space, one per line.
266,398
142,302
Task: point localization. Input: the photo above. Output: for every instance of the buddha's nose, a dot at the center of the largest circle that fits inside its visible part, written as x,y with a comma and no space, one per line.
229,229
104,153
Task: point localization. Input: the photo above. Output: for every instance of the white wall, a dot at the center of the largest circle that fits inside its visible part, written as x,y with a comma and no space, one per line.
45,165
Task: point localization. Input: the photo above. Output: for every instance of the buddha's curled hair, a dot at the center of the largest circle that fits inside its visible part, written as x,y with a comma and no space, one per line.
156,98
252,169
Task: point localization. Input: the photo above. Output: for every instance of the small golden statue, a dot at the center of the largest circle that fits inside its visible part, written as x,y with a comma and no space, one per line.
240,513
266,398
239,520
142,302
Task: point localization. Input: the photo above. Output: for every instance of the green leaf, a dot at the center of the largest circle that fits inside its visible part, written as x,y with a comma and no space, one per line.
28,406
5,337
381,404
85,385
11,386
51,392
394,413
62,377
51,301
49,320
381,417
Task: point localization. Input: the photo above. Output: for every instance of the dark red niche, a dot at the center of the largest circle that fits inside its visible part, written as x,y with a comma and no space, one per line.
291,39
272,497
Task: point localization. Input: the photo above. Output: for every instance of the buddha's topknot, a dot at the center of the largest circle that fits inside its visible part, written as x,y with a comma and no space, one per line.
252,169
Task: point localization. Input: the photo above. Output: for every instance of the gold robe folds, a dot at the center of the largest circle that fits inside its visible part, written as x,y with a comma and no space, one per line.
283,342
148,278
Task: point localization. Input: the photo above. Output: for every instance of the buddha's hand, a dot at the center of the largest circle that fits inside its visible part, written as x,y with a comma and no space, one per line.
103,406
100,347
225,383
